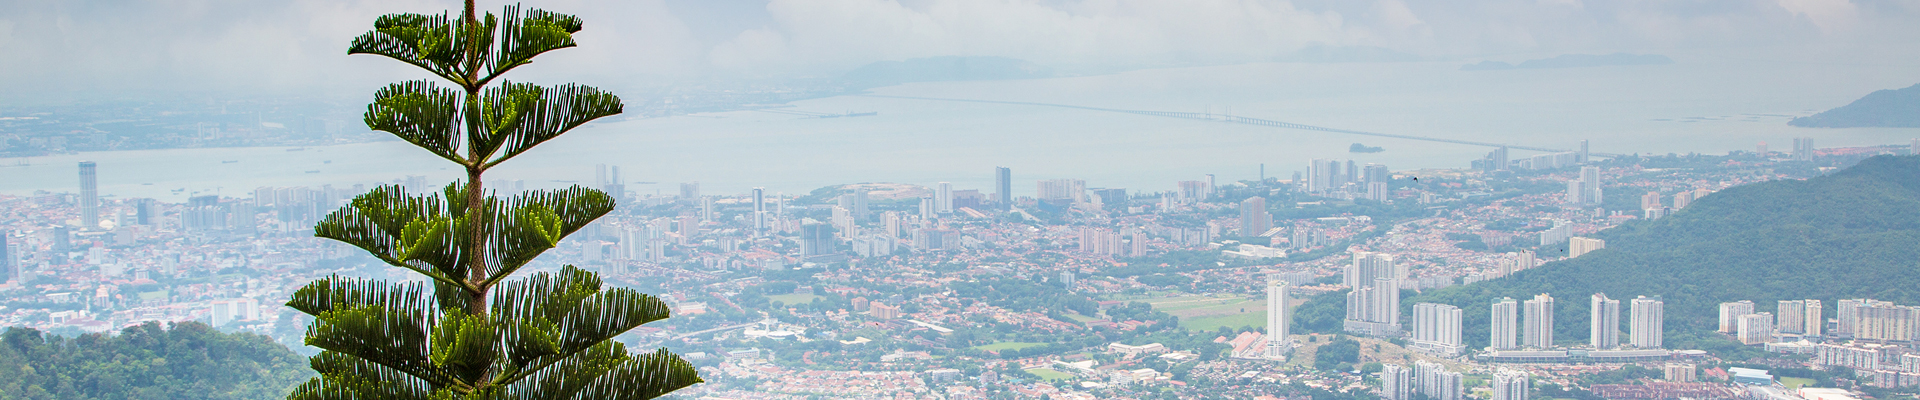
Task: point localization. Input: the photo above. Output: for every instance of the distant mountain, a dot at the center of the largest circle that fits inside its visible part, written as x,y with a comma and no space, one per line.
1891,108
1852,234
1573,61
936,69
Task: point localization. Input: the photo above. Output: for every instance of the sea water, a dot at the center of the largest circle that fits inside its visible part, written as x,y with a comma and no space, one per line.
1706,104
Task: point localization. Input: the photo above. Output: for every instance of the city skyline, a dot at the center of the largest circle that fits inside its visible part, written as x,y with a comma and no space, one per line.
696,234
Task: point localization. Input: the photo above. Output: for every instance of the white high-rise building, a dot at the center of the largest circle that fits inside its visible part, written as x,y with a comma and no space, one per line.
1648,322
1367,266
1730,313
1539,322
1437,383
706,209
1790,316
844,224
1506,325
1815,320
1604,331
1324,175
943,198
760,217
1590,178
1279,340
90,196
1846,316
1396,382
1073,190
1254,219
1578,246
1585,191
1375,309
1436,329
1870,319
1510,385
229,310
1560,232
1756,328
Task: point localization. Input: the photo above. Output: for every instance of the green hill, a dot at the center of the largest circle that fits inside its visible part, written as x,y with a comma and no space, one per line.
190,361
1852,234
1892,108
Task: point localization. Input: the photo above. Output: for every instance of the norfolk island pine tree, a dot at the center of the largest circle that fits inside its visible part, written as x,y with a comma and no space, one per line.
471,333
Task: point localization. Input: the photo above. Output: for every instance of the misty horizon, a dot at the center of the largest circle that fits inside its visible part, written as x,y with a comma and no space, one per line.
62,51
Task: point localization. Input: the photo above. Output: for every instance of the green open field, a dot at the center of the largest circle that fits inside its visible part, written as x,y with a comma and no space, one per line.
793,298
1795,383
1050,374
1008,346
1149,295
1233,321
1208,312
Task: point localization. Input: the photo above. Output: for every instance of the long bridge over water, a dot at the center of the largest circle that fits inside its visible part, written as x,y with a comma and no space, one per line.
1248,121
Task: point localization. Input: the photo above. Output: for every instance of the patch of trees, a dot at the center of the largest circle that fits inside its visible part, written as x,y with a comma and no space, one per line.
1025,295
1338,354
190,360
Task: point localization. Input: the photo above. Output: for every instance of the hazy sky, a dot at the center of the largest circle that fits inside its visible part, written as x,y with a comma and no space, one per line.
80,47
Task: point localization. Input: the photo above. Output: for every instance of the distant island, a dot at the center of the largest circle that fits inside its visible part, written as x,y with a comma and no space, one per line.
949,68
1573,61
1361,148
1890,108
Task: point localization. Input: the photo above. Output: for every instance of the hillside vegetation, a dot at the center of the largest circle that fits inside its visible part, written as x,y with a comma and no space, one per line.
189,361
1852,234
1892,108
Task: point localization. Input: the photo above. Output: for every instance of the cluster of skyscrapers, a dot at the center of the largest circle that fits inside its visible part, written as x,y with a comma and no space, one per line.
1650,203
1858,319
1373,305
1103,241
1510,332
1500,160
1585,191
1431,380
1344,178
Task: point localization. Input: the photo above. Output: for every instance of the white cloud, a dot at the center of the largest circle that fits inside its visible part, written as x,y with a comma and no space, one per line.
94,46
840,34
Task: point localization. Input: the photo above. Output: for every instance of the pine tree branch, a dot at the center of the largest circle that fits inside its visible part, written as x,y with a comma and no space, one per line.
557,110
424,41
346,377
524,37
560,379
644,377
377,223
420,113
539,220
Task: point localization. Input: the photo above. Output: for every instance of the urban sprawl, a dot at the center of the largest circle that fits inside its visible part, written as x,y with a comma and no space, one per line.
892,290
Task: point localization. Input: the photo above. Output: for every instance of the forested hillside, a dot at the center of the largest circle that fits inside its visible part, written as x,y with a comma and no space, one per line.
1891,108
1852,234
189,361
